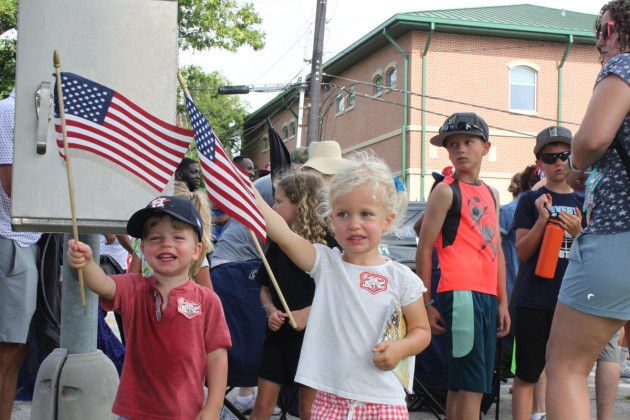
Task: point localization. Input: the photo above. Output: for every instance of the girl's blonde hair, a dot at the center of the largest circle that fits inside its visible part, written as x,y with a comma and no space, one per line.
305,189
364,168
202,204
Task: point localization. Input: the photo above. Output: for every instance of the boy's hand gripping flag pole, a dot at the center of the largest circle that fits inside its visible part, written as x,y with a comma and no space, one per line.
75,229
234,195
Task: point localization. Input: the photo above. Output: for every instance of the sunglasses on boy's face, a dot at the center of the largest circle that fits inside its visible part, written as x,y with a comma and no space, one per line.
606,30
551,158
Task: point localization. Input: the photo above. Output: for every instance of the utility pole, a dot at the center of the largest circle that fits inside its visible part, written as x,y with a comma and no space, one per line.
316,69
298,138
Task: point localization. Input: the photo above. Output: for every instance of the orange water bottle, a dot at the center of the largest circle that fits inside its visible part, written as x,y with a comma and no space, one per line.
550,249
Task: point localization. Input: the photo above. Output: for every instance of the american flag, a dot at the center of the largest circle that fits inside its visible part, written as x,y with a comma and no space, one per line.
228,187
102,121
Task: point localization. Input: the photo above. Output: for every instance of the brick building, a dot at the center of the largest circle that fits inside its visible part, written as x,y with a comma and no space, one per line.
521,67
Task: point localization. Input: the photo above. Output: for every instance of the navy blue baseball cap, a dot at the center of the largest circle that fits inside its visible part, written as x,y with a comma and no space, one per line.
176,207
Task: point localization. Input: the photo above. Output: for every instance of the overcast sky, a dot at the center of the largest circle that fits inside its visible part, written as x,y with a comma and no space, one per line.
289,28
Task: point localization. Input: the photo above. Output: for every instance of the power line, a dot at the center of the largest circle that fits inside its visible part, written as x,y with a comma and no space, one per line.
355,82
288,50
358,82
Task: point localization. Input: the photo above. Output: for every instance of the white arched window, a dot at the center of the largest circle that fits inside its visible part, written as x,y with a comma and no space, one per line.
523,89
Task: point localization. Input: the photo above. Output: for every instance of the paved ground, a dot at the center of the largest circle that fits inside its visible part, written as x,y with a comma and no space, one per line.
22,409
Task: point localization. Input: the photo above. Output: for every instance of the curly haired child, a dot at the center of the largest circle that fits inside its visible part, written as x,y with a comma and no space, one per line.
298,196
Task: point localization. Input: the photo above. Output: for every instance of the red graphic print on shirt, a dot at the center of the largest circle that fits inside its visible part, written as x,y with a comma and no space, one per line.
373,283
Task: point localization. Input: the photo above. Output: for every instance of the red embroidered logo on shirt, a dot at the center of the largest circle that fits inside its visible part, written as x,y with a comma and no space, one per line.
373,283
188,309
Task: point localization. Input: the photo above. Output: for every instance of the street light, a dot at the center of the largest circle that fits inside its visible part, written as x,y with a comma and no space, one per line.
245,89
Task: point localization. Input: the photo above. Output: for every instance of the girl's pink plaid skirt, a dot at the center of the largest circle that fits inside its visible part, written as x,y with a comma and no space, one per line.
331,407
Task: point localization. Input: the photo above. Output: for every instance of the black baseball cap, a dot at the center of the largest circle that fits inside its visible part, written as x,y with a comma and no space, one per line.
462,122
176,207
553,134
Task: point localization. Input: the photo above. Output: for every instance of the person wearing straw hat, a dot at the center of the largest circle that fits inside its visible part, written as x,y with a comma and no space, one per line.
324,157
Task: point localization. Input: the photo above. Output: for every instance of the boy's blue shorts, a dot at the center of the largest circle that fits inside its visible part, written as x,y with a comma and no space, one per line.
471,339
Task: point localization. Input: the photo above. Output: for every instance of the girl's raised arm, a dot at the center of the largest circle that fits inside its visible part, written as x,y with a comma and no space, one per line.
298,249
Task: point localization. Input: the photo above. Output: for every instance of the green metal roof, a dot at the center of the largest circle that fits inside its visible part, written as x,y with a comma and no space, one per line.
524,17
524,22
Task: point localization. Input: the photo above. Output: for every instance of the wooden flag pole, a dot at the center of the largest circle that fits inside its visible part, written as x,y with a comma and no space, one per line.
182,84
292,322
62,114
273,280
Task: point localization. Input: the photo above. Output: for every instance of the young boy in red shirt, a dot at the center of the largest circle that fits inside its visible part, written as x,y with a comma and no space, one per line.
177,337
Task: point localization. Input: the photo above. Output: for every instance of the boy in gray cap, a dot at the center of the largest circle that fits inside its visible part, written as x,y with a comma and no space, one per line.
537,297
461,221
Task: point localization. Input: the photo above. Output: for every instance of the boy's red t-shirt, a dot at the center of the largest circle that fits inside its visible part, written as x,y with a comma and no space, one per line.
165,364
466,245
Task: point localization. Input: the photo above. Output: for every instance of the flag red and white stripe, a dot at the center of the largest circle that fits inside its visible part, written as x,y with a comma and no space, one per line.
104,122
228,187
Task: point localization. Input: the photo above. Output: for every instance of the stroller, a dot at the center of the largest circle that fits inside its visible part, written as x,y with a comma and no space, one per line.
239,292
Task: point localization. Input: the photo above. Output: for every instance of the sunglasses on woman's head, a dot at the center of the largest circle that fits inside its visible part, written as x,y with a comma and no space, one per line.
606,30
551,158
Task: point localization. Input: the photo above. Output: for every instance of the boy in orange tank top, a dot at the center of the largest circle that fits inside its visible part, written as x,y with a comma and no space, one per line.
461,220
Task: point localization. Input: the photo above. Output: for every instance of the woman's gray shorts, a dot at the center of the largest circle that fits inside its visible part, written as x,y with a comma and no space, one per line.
597,280
611,350
18,290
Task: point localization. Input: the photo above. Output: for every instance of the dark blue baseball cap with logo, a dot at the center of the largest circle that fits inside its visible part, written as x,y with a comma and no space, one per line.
176,207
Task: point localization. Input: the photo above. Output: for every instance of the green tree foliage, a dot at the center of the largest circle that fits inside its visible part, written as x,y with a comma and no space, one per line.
8,16
221,24
226,113
7,67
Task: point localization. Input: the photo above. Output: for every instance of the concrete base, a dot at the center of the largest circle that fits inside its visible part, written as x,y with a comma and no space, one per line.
75,386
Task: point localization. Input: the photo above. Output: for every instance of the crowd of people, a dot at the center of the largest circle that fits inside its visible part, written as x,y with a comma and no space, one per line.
325,216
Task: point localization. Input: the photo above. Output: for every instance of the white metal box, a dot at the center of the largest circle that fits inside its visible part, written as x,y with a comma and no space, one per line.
129,46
